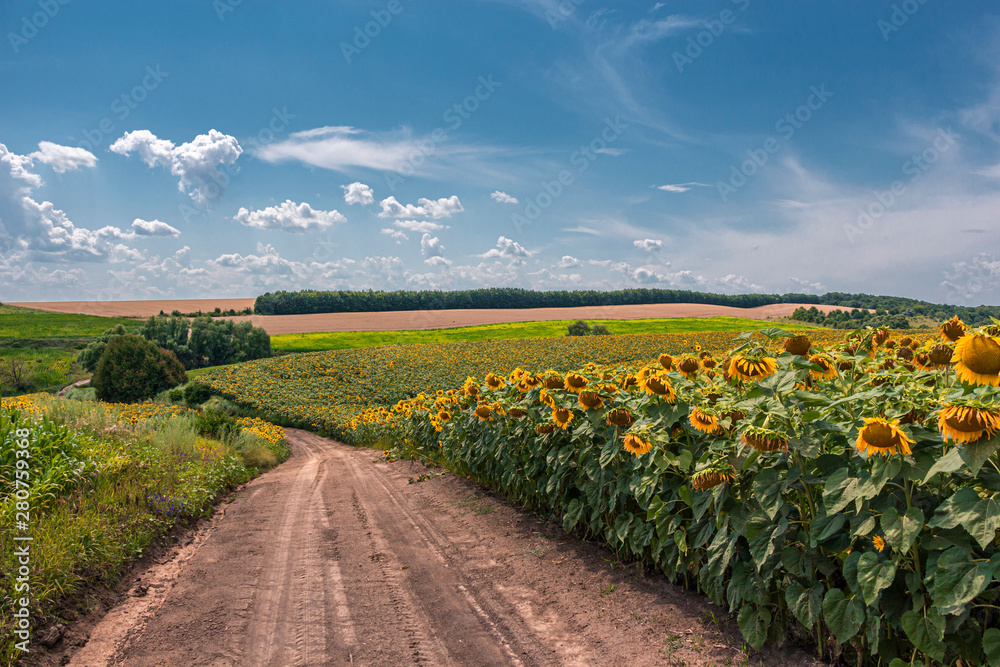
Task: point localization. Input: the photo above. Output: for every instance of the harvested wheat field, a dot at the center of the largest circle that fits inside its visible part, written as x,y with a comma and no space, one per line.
408,320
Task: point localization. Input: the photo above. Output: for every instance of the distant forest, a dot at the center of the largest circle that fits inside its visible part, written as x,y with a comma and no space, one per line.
305,302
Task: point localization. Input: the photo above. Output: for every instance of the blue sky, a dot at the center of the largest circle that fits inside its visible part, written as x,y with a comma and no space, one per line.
200,148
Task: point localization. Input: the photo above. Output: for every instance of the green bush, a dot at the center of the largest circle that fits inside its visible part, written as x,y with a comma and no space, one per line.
599,330
176,395
132,369
197,393
216,424
578,328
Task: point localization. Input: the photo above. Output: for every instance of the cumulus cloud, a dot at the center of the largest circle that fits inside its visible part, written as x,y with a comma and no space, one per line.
358,193
142,227
396,234
569,262
289,217
195,163
649,245
267,260
425,208
503,197
419,226
431,246
437,260
506,249
63,158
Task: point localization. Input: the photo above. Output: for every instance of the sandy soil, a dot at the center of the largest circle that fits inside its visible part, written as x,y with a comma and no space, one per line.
336,558
416,319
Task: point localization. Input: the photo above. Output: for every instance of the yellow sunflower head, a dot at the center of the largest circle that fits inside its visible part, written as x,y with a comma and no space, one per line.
620,417
444,416
765,440
878,543
493,382
750,368
880,337
967,424
518,413
555,382
659,386
953,329
629,381
881,436
636,444
941,354
689,366
545,428
590,400
576,382
666,361
703,421
546,398
484,412
528,382
977,358
711,477
826,363
562,417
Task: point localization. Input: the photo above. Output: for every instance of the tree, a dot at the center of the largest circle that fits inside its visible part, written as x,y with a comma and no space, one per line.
15,373
132,369
599,330
578,328
90,355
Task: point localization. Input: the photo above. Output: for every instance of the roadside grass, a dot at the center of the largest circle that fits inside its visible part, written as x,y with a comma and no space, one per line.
47,369
106,484
342,340
17,322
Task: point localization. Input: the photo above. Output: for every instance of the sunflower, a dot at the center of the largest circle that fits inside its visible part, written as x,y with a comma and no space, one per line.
906,342
437,425
666,361
878,543
978,360
528,382
620,417
940,354
709,363
555,382
493,382
660,386
546,398
880,337
798,345
707,479
752,369
826,363
765,440
629,381
562,417
636,444
547,427
953,329
906,354
703,421
924,362
697,347
575,382
880,436
590,400
967,424
444,416
484,412
518,413
689,366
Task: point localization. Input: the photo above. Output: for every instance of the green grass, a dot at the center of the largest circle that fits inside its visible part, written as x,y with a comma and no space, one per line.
317,342
16,322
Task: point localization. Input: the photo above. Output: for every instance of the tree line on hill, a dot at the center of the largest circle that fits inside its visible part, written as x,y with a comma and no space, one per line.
853,319
313,301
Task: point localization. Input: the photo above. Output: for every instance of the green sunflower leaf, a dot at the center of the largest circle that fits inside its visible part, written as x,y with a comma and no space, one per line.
900,531
926,632
874,576
843,616
754,623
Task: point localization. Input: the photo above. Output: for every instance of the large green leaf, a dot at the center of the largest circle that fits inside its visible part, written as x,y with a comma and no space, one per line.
900,531
754,623
874,576
959,580
950,462
825,527
767,490
719,553
608,452
976,453
573,513
926,632
991,646
806,603
763,544
840,489
843,616
979,516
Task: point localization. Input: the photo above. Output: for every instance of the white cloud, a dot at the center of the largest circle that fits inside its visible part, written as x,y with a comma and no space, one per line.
63,158
569,262
266,261
613,152
681,187
437,260
425,208
194,163
396,234
649,245
358,193
430,246
289,217
153,228
344,148
419,226
506,249
503,198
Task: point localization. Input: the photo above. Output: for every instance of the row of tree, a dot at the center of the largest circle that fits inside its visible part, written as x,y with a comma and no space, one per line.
312,301
853,319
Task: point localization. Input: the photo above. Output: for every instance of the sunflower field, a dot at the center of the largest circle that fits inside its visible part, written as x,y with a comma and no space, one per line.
842,494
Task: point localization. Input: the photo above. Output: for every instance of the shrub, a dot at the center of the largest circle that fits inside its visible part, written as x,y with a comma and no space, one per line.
176,395
578,328
216,424
196,393
132,369
599,330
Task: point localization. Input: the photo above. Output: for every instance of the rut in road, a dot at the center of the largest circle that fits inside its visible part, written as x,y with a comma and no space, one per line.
333,558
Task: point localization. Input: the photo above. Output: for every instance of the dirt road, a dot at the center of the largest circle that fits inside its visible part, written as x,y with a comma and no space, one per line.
336,558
